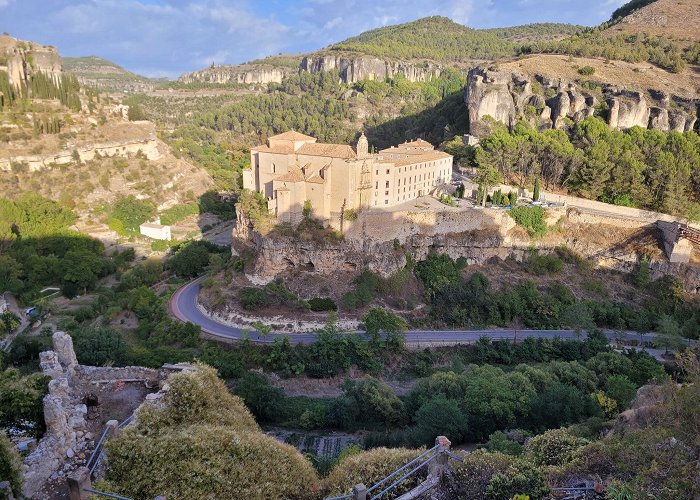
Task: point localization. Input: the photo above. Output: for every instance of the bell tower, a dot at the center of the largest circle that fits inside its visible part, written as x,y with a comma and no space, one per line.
362,147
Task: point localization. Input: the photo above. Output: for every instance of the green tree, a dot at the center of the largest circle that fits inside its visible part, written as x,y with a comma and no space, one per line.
621,389
487,177
669,333
378,320
579,318
21,399
10,465
9,322
131,212
536,190
101,346
191,259
440,416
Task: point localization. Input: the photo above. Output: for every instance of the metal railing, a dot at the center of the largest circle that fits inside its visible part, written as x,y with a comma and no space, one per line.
439,451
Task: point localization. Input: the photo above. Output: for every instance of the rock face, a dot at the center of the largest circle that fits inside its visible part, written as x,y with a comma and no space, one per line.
242,74
354,69
489,94
21,59
504,95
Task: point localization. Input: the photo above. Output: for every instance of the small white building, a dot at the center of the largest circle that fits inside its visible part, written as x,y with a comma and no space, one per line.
156,231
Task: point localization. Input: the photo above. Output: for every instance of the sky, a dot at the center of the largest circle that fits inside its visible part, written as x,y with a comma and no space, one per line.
164,38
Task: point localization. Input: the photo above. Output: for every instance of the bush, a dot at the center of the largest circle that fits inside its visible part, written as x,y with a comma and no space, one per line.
471,477
10,465
205,461
586,70
370,467
555,447
521,478
542,264
252,298
530,218
319,304
102,346
197,397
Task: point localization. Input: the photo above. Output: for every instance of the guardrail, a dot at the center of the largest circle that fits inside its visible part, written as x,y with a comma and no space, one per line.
437,455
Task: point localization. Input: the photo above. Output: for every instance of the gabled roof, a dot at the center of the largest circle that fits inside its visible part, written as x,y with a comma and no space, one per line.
293,175
279,149
329,150
418,143
291,135
426,156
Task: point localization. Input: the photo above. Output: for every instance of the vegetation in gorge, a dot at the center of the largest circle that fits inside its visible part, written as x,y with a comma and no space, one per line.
636,167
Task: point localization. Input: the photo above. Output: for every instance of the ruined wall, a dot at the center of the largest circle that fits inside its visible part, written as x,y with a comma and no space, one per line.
67,442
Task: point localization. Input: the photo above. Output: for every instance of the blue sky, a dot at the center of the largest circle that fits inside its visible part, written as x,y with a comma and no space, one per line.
169,37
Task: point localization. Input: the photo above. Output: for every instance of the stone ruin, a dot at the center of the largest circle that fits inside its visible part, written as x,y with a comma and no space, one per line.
68,440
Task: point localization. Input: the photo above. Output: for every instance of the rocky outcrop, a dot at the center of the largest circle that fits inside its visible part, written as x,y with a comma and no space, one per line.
504,95
242,74
489,93
67,441
146,145
21,59
356,68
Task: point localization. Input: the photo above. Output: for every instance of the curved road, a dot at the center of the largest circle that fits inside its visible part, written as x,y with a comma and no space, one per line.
183,306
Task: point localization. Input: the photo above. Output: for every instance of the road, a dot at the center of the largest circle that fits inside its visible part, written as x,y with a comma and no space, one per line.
183,306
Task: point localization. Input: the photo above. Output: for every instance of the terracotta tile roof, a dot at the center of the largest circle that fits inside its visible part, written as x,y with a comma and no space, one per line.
418,143
291,135
293,175
315,179
329,150
426,156
279,149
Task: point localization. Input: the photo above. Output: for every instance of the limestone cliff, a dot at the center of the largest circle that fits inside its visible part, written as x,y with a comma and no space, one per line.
506,94
356,68
242,74
21,59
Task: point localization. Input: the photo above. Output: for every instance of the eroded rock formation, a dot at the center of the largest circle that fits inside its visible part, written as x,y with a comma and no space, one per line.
21,59
242,74
504,95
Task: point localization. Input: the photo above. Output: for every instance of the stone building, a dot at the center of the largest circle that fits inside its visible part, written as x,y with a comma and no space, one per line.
294,171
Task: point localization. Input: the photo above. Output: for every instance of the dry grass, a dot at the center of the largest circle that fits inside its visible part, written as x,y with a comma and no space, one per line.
677,19
639,76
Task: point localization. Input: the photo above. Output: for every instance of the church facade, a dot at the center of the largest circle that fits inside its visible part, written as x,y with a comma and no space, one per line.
295,172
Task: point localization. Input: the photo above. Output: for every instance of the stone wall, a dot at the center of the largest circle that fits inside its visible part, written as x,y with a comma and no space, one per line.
67,443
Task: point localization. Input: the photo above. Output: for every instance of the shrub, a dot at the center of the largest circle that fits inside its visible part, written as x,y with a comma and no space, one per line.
530,218
586,70
252,298
555,447
370,467
542,264
197,396
521,478
322,304
10,464
205,461
472,476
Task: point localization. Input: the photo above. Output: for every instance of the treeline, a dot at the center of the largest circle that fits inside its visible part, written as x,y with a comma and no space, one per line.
437,38
41,86
633,48
473,303
470,402
637,167
39,249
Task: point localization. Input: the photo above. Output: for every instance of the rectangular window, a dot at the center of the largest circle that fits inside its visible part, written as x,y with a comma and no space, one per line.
377,173
387,171
386,202
387,184
386,193
376,185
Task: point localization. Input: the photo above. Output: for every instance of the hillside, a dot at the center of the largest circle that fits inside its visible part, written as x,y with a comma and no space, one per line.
677,19
97,72
436,38
529,33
